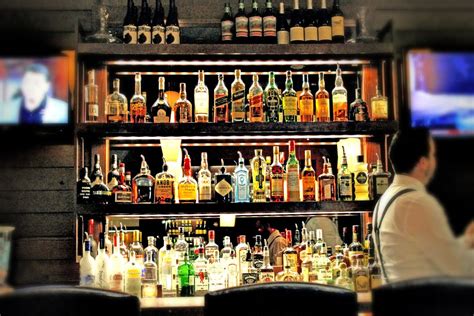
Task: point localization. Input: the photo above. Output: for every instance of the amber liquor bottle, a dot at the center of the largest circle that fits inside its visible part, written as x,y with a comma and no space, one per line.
308,176
143,185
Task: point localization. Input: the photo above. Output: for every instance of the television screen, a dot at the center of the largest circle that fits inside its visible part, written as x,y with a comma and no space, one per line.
34,91
441,91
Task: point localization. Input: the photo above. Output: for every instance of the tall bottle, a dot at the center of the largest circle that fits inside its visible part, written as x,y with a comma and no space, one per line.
166,268
117,266
259,167
277,177
358,109
241,24
379,106
293,175
266,271
133,272
227,25
83,187
187,186
91,97
183,108
324,24
144,24
201,100
257,255
137,102
149,277
306,101
272,100
116,105
255,24
378,181
308,175
211,248
241,175
161,111
137,247
283,28
158,31
201,279
355,248
361,180
113,176
204,180
256,101
310,24
345,183
143,185
223,186
290,256
100,192
327,183
269,24
165,186
173,31
238,98
296,24
337,23
103,265
290,101
87,267
221,101
130,31
323,113
339,98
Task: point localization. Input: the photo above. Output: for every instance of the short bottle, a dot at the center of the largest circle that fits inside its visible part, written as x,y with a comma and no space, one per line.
358,109
87,267
204,180
161,111
113,176
137,247
116,105
151,248
343,280
375,273
241,186
259,167
183,108
360,275
187,186
308,176
256,101
223,188
379,106
143,185
165,186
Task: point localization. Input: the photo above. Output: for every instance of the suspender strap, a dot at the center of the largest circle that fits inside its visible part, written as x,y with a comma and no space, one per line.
378,224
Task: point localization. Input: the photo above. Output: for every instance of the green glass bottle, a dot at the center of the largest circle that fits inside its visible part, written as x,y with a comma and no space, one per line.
186,277
290,101
272,100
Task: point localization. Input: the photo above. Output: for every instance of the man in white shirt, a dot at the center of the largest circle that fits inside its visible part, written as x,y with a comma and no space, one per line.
412,237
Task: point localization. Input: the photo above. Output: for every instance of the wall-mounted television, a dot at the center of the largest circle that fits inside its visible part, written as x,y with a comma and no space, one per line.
441,91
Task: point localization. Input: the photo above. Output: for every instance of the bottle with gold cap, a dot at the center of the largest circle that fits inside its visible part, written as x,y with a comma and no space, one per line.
259,167
308,175
136,246
143,185
187,186
161,110
277,181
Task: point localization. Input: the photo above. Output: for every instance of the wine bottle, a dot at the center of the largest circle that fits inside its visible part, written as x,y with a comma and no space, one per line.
130,32
227,25
158,31
296,25
255,24
173,32
310,24
337,23
324,24
283,29
241,24
269,24
144,24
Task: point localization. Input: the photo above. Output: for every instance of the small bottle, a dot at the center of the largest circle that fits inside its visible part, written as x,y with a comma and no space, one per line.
324,24
358,109
183,108
241,24
360,275
143,185
355,248
255,24
164,186
343,280
138,102
133,273
227,25
204,180
378,181
100,192
187,186
211,248
345,183
151,248
273,109
130,32
258,177
290,255
173,31
379,106
150,277
238,98
144,24
158,30
337,23
375,273
306,101
293,175
113,176
116,105
87,267
223,188
310,24
327,183
290,101
296,25
103,265
308,266
91,97
323,113
122,193
308,175
361,180
201,100
269,24
161,111
339,98
83,187
241,175
257,255
288,275
256,101
277,180
221,102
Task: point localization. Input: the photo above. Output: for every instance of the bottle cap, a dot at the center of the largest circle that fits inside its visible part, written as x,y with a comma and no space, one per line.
144,166
292,146
241,158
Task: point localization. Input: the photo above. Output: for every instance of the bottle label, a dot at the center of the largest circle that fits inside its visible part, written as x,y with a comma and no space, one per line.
337,25
290,107
93,110
116,283
221,103
158,34
144,34
255,23
226,29
172,34
379,110
322,108
123,197
242,186
161,117
201,103
375,281
137,109
361,178
266,277
88,280
340,107
238,105
256,108
257,261
249,278
276,184
381,185
311,34
113,109
324,275
291,260
269,26
361,283
201,281
297,34
273,105
223,188
242,26
283,37
309,186
345,186
149,274
325,33
184,115
84,192
130,35
187,192
306,107
205,189
164,189
327,190
293,180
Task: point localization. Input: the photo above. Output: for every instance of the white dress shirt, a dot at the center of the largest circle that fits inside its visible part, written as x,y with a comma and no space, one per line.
415,237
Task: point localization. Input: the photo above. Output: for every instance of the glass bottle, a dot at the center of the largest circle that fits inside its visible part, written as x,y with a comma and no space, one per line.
339,98
310,24
164,186
308,175
217,275
173,31
241,253
130,31
323,113
137,248
256,101
151,248
355,248
255,24
288,275
358,109
337,23
257,255
221,101
266,271
117,267
166,269
238,98
183,108
158,30
116,105
201,100
91,97
343,280
283,28
277,177
378,181
290,256
211,248
324,24
149,277
327,183
258,177
241,175
113,176
83,187
345,183
181,247
100,192
361,180
293,175
187,186
87,267
223,188
122,193
290,101
379,106
144,24
204,180
272,101
360,275
296,24
227,25
232,270
269,24
143,185
137,102
249,273
161,111
201,279
375,273
306,102
241,24
133,273
307,266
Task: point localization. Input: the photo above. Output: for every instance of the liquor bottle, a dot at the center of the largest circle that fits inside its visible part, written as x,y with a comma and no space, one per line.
149,277
323,113
361,180
358,109
324,24
290,256
269,24
143,185
133,273
201,279
310,24
183,108
241,176
137,247
283,28
91,97
181,247
204,180
164,186
256,101
161,111
268,161
375,273
130,32
166,269
258,177
238,98
337,23
201,100
378,181
327,183
369,251
116,105
319,241
241,253
227,249
306,101
241,24
308,175
187,186
266,271
345,183
339,98
307,266
221,101
343,280
100,192
250,274
173,31
290,101
288,275
360,275
272,100
102,264
113,176
87,267
355,248
223,186
83,187
257,255
296,24
293,175
227,25
277,177
217,275
255,24
144,24
211,248
137,102
379,106
122,193
151,248
117,266
232,271
158,30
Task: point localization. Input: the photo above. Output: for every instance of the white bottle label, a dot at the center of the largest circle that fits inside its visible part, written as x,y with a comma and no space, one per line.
158,34
144,34
293,183
381,185
93,110
201,103
130,34
205,191
297,34
226,29
283,37
173,35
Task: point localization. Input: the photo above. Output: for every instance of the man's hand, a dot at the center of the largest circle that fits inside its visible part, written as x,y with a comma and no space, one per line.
469,235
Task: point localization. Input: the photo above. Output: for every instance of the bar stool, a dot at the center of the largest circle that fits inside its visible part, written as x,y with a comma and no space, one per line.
427,296
281,298
67,301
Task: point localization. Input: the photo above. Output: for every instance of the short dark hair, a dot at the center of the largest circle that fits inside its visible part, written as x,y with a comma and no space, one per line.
39,69
408,146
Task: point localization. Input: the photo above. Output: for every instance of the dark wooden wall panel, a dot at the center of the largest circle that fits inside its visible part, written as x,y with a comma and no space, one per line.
40,225
36,201
45,271
45,248
37,179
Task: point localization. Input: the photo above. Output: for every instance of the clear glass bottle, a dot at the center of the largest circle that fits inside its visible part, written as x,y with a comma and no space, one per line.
308,176
152,249
201,100
181,247
259,168
308,266
273,109
361,180
241,254
117,267
116,105
187,186
327,183
277,180
217,275
339,98
137,247
166,269
138,102
343,280
306,102
241,187
164,186
375,273
238,98
323,113
360,275
221,102
379,106
91,97
378,181
143,185
293,175
211,248
256,101
345,183
100,192
161,111
201,279
103,265
133,273
266,271
150,276
290,101
87,267
183,108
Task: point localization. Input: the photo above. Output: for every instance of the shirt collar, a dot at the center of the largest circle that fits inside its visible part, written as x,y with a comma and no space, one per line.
408,181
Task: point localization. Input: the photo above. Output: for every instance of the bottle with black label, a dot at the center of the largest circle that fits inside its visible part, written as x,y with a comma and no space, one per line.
269,24
223,186
310,24
161,111
173,32
221,102
144,24
158,30
130,31
113,176
324,24
337,23
84,187
255,24
283,29
296,25
258,253
241,22
227,25
100,192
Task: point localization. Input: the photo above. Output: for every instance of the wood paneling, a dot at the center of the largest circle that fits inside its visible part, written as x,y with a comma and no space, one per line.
39,157
40,225
37,179
37,201
28,272
45,248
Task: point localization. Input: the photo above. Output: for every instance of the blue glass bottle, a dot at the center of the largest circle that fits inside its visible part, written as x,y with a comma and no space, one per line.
241,175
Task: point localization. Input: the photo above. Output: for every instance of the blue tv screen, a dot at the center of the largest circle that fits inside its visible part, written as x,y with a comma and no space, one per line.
441,91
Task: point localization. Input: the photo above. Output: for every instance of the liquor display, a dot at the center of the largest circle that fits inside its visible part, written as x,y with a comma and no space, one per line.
116,105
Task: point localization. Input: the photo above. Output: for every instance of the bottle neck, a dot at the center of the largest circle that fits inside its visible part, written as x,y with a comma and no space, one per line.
282,8
255,6
355,237
269,5
138,86
296,5
289,83
309,5
241,7
323,4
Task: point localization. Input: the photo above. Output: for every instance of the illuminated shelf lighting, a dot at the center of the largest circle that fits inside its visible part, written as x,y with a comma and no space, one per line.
227,73
235,137
228,144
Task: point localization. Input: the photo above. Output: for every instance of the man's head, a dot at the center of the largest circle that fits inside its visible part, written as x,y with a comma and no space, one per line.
263,227
413,152
35,85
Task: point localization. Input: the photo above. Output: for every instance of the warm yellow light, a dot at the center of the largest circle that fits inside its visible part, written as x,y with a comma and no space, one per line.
227,220
352,147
